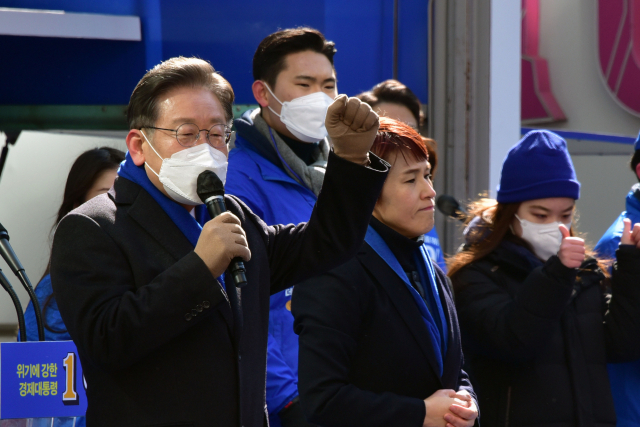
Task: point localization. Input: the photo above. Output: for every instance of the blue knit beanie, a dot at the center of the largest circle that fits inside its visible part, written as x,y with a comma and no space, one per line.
636,145
537,167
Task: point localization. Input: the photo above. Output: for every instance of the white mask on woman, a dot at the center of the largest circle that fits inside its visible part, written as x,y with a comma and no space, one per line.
545,239
179,173
304,116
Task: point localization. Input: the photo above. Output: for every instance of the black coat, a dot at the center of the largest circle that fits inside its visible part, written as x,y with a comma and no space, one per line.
158,338
365,357
537,340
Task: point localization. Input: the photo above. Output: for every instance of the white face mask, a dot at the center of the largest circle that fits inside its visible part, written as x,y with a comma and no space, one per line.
179,173
304,116
545,239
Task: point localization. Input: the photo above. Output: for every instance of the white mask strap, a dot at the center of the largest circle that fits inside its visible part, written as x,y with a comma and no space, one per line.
154,150
272,94
151,169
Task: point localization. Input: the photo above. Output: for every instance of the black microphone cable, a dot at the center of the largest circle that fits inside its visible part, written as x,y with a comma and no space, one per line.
16,302
14,263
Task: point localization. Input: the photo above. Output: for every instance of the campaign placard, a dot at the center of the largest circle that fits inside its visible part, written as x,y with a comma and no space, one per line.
40,380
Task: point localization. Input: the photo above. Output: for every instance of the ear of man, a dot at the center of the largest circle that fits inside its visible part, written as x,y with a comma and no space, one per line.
134,145
260,93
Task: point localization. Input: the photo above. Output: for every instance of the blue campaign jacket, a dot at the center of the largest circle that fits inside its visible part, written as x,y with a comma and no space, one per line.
256,175
624,377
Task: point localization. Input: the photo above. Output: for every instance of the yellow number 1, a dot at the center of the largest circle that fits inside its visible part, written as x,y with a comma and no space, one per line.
70,397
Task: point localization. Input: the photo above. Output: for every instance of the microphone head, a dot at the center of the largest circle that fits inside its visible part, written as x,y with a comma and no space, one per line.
209,185
449,206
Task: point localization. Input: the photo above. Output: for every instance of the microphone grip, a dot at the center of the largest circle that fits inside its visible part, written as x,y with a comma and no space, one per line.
238,272
216,206
16,303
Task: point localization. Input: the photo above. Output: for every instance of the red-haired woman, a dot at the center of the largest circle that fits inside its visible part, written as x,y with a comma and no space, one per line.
538,319
379,339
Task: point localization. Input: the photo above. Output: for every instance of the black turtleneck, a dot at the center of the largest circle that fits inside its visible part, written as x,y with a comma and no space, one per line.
304,150
404,249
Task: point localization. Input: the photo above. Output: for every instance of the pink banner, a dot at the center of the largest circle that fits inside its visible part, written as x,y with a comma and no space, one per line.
619,51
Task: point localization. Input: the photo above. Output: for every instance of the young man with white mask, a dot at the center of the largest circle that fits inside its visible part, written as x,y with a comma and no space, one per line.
277,168
139,273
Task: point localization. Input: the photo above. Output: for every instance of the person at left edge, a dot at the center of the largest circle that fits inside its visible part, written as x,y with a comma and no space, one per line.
161,340
277,167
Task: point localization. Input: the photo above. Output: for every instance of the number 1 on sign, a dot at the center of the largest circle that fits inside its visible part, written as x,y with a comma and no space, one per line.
70,396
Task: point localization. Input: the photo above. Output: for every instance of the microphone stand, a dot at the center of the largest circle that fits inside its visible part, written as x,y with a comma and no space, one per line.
24,279
17,268
16,302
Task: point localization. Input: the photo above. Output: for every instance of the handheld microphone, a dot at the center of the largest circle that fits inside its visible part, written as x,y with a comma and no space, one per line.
449,206
16,303
12,260
211,191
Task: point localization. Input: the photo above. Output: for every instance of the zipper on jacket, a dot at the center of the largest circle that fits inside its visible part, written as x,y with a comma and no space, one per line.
506,415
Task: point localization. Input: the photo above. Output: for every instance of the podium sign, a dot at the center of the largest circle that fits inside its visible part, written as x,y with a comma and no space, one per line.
40,380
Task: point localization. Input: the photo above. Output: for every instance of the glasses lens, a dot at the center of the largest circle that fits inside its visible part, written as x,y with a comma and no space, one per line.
187,134
218,135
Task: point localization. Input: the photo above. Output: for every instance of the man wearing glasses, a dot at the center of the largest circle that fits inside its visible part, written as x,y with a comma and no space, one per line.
139,273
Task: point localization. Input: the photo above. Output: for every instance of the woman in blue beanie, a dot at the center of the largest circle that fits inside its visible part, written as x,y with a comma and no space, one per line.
536,311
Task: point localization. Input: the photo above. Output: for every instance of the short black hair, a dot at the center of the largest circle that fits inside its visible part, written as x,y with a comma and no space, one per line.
634,162
269,59
393,92
171,74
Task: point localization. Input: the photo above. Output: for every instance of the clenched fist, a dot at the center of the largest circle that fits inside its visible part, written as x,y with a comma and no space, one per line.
222,239
352,126
572,249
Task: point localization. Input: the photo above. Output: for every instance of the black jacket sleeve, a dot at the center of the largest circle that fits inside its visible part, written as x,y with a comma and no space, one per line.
329,311
622,319
337,226
512,328
114,323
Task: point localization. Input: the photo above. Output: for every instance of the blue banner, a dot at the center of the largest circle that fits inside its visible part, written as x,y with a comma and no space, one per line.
41,380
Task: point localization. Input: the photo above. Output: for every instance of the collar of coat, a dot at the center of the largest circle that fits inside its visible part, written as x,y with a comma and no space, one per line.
252,128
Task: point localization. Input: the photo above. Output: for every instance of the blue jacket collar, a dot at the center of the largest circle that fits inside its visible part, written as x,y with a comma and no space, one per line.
258,142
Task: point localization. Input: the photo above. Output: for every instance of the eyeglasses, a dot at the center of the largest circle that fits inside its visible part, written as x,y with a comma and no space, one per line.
188,134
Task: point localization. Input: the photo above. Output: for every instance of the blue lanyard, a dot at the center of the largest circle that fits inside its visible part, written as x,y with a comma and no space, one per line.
438,336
